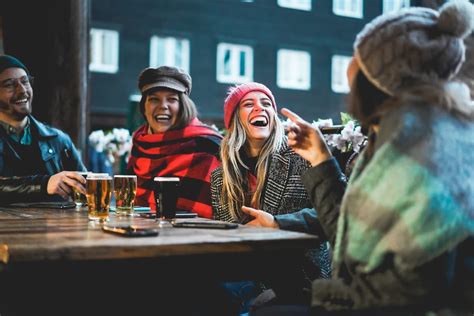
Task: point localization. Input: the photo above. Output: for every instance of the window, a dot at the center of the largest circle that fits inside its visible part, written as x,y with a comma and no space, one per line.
169,51
234,63
104,51
339,66
394,5
350,8
296,4
293,69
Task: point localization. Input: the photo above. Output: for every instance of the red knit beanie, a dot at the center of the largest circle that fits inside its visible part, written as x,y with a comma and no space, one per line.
237,93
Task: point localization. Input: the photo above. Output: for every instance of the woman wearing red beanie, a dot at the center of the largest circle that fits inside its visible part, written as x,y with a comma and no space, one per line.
259,169
173,142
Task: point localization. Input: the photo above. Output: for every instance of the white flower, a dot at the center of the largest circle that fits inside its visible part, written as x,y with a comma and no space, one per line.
116,143
322,123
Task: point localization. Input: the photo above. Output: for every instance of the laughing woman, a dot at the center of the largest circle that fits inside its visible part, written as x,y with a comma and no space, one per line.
173,142
258,168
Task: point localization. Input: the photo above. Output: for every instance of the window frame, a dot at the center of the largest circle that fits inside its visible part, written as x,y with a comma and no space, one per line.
286,81
170,52
401,4
97,47
235,50
304,5
342,8
341,85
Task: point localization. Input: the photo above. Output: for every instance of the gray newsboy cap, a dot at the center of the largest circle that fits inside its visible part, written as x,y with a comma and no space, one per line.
414,45
165,77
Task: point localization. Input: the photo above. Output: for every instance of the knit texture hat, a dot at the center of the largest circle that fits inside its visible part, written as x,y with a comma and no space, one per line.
7,61
165,77
237,93
414,45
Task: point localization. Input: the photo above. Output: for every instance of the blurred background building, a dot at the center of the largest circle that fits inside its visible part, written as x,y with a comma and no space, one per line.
86,54
300,49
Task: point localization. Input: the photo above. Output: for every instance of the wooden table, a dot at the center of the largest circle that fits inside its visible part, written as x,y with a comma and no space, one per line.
53,255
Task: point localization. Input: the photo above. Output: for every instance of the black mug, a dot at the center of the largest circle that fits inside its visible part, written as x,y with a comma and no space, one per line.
166,196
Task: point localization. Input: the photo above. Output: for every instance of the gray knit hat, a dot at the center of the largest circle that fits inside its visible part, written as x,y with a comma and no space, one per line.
165,77
414,44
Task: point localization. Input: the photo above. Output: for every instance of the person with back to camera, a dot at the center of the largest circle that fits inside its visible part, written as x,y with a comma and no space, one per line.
37,162
403,229
259,169
173,142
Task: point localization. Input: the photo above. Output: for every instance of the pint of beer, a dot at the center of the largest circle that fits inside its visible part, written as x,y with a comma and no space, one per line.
125,189
166,196
79,198
99,194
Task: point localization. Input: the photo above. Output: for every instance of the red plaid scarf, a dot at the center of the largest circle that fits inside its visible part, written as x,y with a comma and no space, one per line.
189,153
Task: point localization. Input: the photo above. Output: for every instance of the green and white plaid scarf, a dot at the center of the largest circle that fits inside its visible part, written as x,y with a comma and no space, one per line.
414,199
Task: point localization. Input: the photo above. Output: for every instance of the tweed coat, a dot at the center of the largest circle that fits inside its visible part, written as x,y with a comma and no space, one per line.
284,193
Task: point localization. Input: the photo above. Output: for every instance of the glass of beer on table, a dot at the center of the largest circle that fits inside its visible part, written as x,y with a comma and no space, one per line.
79,198
125,189
99,194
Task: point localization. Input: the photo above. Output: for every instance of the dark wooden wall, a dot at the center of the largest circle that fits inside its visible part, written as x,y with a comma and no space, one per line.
51,38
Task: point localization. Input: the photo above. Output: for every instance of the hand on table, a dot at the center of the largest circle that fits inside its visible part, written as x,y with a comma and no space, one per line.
261,218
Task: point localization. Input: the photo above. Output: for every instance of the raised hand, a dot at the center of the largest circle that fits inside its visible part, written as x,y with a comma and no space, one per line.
261,218
306,140
63,182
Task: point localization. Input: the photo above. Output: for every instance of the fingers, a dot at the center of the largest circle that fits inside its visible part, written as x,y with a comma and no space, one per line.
76,176
254,223
74,180
63,182
249,210
295,118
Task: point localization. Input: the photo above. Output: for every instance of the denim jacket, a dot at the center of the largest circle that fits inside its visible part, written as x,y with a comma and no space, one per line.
58,154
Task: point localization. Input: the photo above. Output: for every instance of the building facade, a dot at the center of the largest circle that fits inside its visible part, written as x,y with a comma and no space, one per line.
300,49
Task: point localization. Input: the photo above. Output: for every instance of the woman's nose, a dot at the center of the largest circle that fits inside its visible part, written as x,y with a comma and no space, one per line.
163,105
258,106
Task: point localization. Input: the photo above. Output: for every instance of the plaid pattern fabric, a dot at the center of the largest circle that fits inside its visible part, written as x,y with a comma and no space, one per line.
414,199
284,193
190,153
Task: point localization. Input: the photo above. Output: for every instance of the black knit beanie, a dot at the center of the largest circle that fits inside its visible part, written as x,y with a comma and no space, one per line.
7,61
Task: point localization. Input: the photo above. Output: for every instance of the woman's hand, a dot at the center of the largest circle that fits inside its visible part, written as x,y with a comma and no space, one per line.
306,140
261,218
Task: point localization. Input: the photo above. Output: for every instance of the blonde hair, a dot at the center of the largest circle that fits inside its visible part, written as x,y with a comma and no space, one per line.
234,171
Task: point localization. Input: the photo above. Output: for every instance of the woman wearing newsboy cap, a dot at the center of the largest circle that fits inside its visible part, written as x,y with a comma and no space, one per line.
173,142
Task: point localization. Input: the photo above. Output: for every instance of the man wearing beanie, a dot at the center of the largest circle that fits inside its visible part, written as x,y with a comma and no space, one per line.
33,156
402,228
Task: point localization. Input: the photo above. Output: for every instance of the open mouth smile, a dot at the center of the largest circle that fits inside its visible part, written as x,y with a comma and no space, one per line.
21,101
162,118
259,121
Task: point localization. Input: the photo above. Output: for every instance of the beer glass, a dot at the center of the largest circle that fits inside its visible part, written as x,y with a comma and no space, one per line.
79,198
166,196
99,194
125,189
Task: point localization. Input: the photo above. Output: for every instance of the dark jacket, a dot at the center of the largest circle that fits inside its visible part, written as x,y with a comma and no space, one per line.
444,283
58,154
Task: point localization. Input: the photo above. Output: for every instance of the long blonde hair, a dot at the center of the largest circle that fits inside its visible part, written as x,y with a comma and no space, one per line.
234,170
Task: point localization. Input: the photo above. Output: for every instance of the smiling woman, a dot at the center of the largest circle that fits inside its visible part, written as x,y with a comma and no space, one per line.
261,171
173,142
